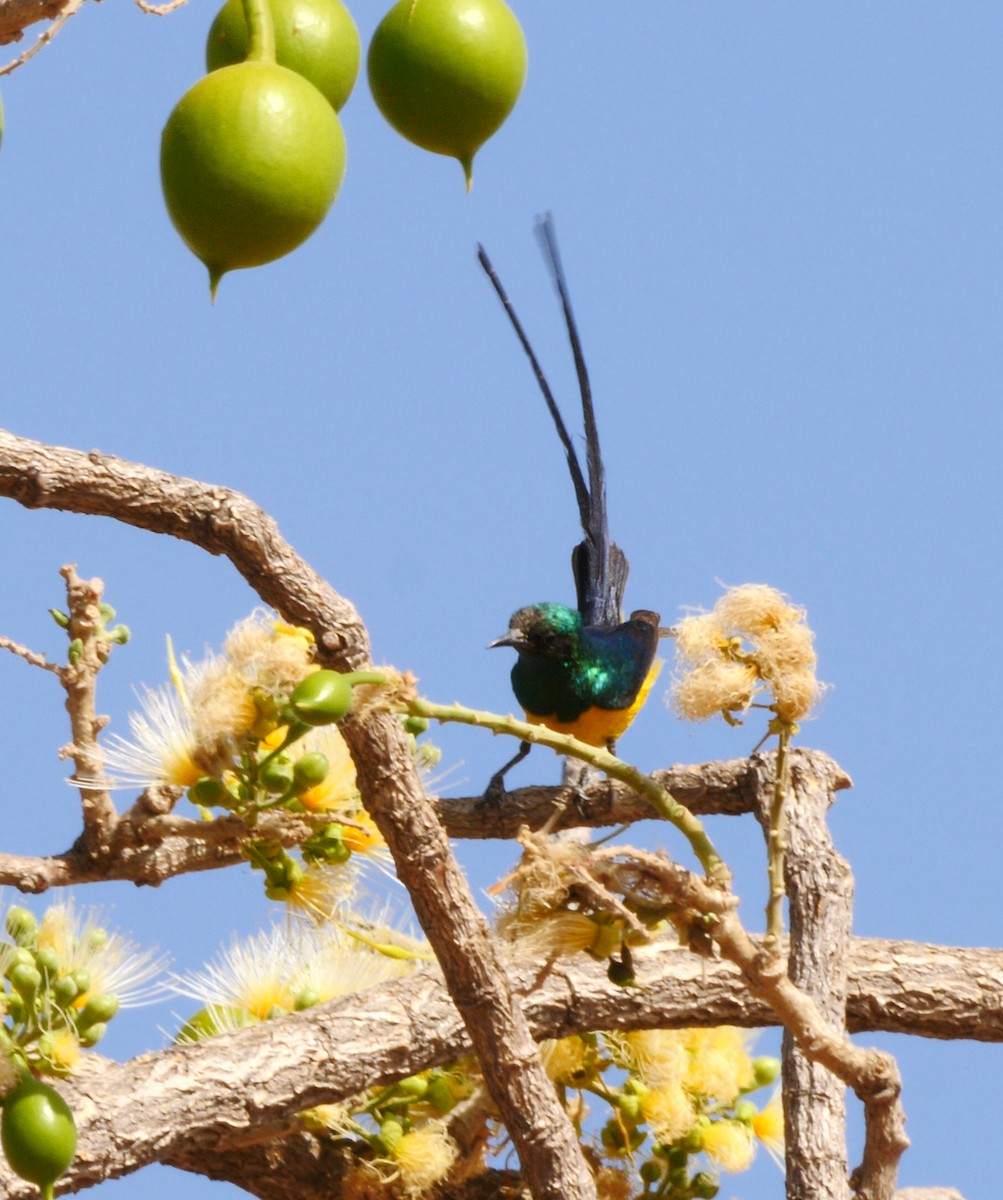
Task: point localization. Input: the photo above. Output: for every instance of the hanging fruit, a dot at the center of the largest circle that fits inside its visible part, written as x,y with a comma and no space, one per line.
38,1133
315,38
251,158
446,73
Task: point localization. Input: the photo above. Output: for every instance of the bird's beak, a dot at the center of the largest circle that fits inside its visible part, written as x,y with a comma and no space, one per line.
512,638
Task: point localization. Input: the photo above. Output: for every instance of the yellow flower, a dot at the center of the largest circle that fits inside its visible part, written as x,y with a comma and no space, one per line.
114,965
669,1110
268,654
657,1055
768,1127
719,1067
339,790
424,1157
729,1144
60,1050
568,1059
194,725
287,968
318,890
162,748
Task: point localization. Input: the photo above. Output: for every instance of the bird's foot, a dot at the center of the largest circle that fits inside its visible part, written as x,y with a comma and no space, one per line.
495,792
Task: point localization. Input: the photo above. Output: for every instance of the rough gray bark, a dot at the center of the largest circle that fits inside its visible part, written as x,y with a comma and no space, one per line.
820,906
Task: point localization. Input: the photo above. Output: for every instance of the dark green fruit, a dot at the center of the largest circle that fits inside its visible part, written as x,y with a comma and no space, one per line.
315,38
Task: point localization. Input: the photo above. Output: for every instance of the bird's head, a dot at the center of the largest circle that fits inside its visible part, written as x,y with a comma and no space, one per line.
546,630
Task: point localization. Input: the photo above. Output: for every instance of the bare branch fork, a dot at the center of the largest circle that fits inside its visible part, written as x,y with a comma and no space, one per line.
223,522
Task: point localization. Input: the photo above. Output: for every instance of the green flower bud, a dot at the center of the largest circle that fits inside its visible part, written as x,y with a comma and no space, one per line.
47,962
21,925
415,726
440,1095
107,613
92,1035
612,1136
62,619
704,1186
679,1180
21,955
306,999
65,991
75,652
207,792
310,769
413,1088
26,981
765,1070
119,635
745,1111
427,756
82,978
96,940
321,698
391,1132
650,1172
692,1143
98,1008
276,774
630,1106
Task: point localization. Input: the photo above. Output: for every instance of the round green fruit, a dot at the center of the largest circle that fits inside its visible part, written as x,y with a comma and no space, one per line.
315,38
446,73
37,1132
251,160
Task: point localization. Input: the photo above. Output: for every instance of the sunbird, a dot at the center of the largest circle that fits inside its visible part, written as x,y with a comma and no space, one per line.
584,671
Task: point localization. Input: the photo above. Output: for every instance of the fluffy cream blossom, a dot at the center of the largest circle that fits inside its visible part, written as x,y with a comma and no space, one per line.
754,640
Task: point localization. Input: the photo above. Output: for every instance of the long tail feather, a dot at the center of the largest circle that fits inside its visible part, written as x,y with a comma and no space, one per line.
599,567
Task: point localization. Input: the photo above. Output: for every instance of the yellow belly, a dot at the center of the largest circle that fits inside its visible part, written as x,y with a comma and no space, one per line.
599,726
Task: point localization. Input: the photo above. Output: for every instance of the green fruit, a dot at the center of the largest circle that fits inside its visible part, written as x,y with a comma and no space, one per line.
37,1132
276,774
315,38
446,73
321,698
311,769
251,159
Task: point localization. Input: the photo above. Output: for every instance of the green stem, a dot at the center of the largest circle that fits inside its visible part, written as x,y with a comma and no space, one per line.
260,31
660,798
776,843
357,677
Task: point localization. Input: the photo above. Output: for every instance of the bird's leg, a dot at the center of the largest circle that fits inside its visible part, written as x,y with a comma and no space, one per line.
495,791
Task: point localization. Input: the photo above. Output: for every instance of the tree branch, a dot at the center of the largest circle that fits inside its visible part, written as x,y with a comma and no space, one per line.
238,1089
222,521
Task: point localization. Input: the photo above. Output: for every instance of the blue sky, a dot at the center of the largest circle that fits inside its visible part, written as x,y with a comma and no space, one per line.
782,226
